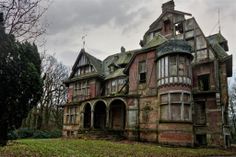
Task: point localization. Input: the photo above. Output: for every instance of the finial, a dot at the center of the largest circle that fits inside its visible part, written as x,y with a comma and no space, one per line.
83,39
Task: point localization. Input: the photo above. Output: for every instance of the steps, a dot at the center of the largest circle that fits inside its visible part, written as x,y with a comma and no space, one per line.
113,135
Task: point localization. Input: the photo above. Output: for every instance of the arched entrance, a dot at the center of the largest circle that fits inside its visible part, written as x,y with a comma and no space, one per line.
87,116
117,115
100,115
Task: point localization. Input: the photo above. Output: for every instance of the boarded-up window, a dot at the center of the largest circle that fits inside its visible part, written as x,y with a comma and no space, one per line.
142,71
200,113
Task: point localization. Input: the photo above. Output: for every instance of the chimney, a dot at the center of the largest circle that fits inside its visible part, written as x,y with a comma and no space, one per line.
170,5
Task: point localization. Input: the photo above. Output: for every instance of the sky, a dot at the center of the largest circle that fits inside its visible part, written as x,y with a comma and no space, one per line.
110,24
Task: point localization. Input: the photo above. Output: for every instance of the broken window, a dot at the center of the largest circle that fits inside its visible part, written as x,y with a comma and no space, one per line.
201,139
179,29
113,86
204,82
142,71
173,66
167,26
200,113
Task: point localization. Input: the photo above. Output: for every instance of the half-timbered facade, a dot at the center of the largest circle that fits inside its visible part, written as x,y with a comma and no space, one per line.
173,90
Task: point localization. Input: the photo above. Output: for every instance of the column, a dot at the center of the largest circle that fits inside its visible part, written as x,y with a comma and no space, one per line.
82,120
92,119
107,118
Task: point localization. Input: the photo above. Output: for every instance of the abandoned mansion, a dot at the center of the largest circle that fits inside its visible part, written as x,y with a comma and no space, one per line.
173,90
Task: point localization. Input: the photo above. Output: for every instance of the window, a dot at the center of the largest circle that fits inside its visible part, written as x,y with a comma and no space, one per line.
203,82
200,113
175,106
182,67
71,115
173,66
113,86
76,90
201,139
142,71
167,26
179,28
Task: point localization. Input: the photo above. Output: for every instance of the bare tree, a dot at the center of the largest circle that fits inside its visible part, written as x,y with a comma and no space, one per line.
232,105
48,113
22,17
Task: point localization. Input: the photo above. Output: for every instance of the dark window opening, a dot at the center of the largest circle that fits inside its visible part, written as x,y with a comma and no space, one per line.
201,140
179,29
167,26
142,77
203,82
142,71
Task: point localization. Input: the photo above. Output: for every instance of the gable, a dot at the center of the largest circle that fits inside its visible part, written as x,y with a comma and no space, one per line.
85,64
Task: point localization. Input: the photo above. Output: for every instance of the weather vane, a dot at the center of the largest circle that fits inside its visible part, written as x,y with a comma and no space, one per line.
83,39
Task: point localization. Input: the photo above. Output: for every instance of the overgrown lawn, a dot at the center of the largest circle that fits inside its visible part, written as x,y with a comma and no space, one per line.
87,148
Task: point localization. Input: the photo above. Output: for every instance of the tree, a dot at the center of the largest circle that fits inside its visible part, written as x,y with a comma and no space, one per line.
20,81
48,115
232,105
22,17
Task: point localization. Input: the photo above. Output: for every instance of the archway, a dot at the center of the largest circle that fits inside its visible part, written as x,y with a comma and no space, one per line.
87,116
100,115
117,115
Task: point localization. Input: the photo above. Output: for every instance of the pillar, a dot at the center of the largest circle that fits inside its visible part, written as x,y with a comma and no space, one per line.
92,119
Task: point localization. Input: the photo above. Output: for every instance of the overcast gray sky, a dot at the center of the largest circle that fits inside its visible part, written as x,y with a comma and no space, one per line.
110,24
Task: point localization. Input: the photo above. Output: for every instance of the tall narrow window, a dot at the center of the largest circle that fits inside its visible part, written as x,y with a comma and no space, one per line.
167,26
113,86
200,111
182,67
142,71
173,66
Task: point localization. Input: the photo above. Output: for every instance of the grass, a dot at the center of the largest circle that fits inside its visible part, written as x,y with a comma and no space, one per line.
98,148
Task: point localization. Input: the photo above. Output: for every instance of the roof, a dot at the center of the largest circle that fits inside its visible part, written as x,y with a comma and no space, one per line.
117,73
164,13
94,61
216,41
216,38
220,52
174,46
157,40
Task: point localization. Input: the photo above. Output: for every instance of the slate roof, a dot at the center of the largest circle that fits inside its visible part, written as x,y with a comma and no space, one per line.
157,40
215,41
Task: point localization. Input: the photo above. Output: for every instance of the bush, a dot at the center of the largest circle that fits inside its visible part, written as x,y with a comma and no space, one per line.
25,132
32,133
12,135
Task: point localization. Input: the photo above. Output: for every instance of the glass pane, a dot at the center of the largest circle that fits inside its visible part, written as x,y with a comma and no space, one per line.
164,98
164,112
186,112
175,111
175,97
